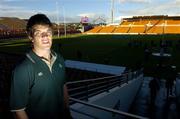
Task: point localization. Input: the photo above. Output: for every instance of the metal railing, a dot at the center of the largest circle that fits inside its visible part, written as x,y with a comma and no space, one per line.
84,89
105,109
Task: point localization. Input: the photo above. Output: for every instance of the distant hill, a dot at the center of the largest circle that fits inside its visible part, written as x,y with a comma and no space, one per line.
12,23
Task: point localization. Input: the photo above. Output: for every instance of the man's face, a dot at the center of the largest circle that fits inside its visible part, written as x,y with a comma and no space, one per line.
42,37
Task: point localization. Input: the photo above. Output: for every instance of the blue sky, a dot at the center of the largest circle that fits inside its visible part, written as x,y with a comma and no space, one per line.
73,10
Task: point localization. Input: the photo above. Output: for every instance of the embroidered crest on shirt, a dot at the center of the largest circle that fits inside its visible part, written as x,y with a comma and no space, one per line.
60,65
40,74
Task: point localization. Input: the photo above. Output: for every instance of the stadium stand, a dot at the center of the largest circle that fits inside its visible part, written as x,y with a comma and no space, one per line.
173,22
155,30
121,29
137,29
126,22
141,22
108,29
95,30
142,25
152,22
171,29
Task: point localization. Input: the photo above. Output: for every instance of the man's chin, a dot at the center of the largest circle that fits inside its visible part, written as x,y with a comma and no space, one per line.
46,47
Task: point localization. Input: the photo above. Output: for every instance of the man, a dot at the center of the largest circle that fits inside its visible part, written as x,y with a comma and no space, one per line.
154,87
38,89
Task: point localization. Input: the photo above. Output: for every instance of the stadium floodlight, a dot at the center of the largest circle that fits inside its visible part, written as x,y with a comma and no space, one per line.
112,11
64,21
57,15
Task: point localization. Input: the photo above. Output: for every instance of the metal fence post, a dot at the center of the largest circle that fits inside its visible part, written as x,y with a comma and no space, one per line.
107,85
120,81
87,91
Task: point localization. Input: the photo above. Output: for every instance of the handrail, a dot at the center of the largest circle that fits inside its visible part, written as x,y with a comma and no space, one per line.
108,109
94,79
90,87
124,74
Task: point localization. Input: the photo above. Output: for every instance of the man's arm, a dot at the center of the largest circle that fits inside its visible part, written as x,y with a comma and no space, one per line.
66,97
20,115
19,93
66,103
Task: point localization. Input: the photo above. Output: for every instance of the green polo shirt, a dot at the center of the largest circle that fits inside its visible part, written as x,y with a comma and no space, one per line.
37,89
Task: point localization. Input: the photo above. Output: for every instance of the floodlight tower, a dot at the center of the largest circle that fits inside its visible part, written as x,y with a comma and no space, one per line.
112,11
64,22
57,15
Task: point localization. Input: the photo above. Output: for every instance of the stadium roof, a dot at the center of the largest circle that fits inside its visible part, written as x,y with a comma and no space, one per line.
153,17
101,68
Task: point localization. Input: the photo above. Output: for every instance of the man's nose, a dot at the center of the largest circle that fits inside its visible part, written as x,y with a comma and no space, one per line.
44,34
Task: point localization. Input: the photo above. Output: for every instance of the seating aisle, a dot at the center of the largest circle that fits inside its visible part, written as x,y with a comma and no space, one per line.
163,108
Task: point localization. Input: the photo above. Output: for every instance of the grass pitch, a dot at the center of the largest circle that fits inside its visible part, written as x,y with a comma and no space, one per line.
122,50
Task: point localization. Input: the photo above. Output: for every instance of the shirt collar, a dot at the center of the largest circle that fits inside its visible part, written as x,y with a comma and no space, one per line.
33,57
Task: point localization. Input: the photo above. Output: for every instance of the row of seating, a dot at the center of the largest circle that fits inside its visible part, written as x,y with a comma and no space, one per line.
77,74
158,26
150,22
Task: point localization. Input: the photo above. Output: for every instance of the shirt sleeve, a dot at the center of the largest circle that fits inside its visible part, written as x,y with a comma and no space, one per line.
64,69
19,89
62,62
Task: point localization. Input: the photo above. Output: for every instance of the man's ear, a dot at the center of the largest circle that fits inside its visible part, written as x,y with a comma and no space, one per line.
30,38
29,34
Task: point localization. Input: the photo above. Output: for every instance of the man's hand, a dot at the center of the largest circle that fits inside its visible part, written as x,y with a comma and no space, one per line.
20,115
67,113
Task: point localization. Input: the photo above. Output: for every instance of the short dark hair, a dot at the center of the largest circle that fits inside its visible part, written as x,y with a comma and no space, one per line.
37,19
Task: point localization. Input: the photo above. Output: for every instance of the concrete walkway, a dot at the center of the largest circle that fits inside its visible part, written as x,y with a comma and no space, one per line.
164,108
